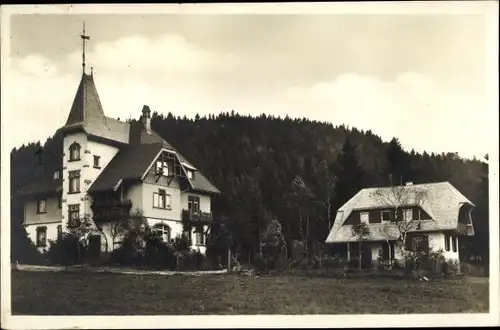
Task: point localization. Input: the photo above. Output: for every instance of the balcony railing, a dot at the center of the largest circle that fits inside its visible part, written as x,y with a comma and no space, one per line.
110,209
190,216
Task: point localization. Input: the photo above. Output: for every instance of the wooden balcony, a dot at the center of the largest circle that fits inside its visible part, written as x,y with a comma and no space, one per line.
464,229
106,210
196,217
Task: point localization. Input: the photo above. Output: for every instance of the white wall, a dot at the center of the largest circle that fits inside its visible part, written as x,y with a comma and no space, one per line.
51,233
105,152
437,241
205,201
376,247
174,213
81,139
134,193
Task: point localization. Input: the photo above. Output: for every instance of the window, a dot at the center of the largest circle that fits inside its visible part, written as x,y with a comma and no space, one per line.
73,214
74,182
161,200
408,214
194,204
200,238
41,236
56,175
453,243
364,218
190,174
386,215
74,152
96,161
163,231
41,206
59,232
447,242
162,168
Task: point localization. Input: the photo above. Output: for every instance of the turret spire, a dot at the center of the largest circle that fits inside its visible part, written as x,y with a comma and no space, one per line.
84,37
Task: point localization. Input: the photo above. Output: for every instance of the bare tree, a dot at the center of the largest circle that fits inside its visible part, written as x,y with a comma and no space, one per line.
401,200
304,195
115,229
360,232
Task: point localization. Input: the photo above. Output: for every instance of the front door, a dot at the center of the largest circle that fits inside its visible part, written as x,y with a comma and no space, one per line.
366,256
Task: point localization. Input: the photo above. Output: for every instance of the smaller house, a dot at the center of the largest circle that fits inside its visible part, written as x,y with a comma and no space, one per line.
434,216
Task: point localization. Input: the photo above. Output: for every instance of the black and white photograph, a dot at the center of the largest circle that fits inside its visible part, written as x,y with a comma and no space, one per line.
236,165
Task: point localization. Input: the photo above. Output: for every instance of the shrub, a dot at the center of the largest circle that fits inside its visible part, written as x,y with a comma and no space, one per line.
22,248
259,263
159,255
67,251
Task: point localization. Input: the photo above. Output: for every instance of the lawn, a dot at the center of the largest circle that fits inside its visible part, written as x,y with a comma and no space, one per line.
60,293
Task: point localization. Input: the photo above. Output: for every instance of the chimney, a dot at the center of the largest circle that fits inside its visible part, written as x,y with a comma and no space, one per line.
409,183
146,118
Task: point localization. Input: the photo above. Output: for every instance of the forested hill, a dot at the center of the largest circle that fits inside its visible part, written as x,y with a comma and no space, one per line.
254,162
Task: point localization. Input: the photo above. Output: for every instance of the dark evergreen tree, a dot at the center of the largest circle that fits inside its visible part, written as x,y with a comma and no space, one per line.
398,164
350,174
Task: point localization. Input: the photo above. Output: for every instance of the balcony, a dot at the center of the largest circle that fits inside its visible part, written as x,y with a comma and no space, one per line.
196,217
464,229
110,209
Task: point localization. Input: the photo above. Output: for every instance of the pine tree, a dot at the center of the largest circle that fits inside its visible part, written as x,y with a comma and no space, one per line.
350,175
398,163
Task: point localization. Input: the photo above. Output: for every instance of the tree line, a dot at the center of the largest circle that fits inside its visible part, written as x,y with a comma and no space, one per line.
295,171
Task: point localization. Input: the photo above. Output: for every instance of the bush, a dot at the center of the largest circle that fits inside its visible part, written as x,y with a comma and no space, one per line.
22,248
159,255
191,261
67,251
259,263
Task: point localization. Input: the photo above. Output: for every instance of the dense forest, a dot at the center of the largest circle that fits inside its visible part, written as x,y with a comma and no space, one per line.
296,171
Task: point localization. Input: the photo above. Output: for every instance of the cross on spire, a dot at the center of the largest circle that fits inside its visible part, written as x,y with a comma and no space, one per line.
84,37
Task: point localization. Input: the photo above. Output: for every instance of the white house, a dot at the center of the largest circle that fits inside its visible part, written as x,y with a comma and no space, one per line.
102,168
434,214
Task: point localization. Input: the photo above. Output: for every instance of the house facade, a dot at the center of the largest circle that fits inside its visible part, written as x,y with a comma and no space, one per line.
103,169
432,217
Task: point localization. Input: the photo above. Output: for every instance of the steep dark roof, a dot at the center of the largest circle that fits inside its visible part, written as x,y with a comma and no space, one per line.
133,160
87,107
87,114
130,163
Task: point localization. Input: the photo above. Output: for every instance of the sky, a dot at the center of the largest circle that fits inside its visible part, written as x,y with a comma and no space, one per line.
420,78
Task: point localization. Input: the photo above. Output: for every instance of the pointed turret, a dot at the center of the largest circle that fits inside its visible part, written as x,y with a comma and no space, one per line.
87,107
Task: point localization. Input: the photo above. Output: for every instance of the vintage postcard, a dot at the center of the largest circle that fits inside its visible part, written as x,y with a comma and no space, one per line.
250,165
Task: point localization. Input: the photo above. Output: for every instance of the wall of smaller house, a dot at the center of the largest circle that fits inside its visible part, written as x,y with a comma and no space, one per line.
54,213
375,247
437,242
51,233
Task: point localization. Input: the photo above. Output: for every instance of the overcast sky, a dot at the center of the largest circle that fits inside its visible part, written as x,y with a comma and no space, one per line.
419,78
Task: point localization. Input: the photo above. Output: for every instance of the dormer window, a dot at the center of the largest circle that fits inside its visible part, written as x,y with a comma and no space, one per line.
97,162
74,152
190,174
385,216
